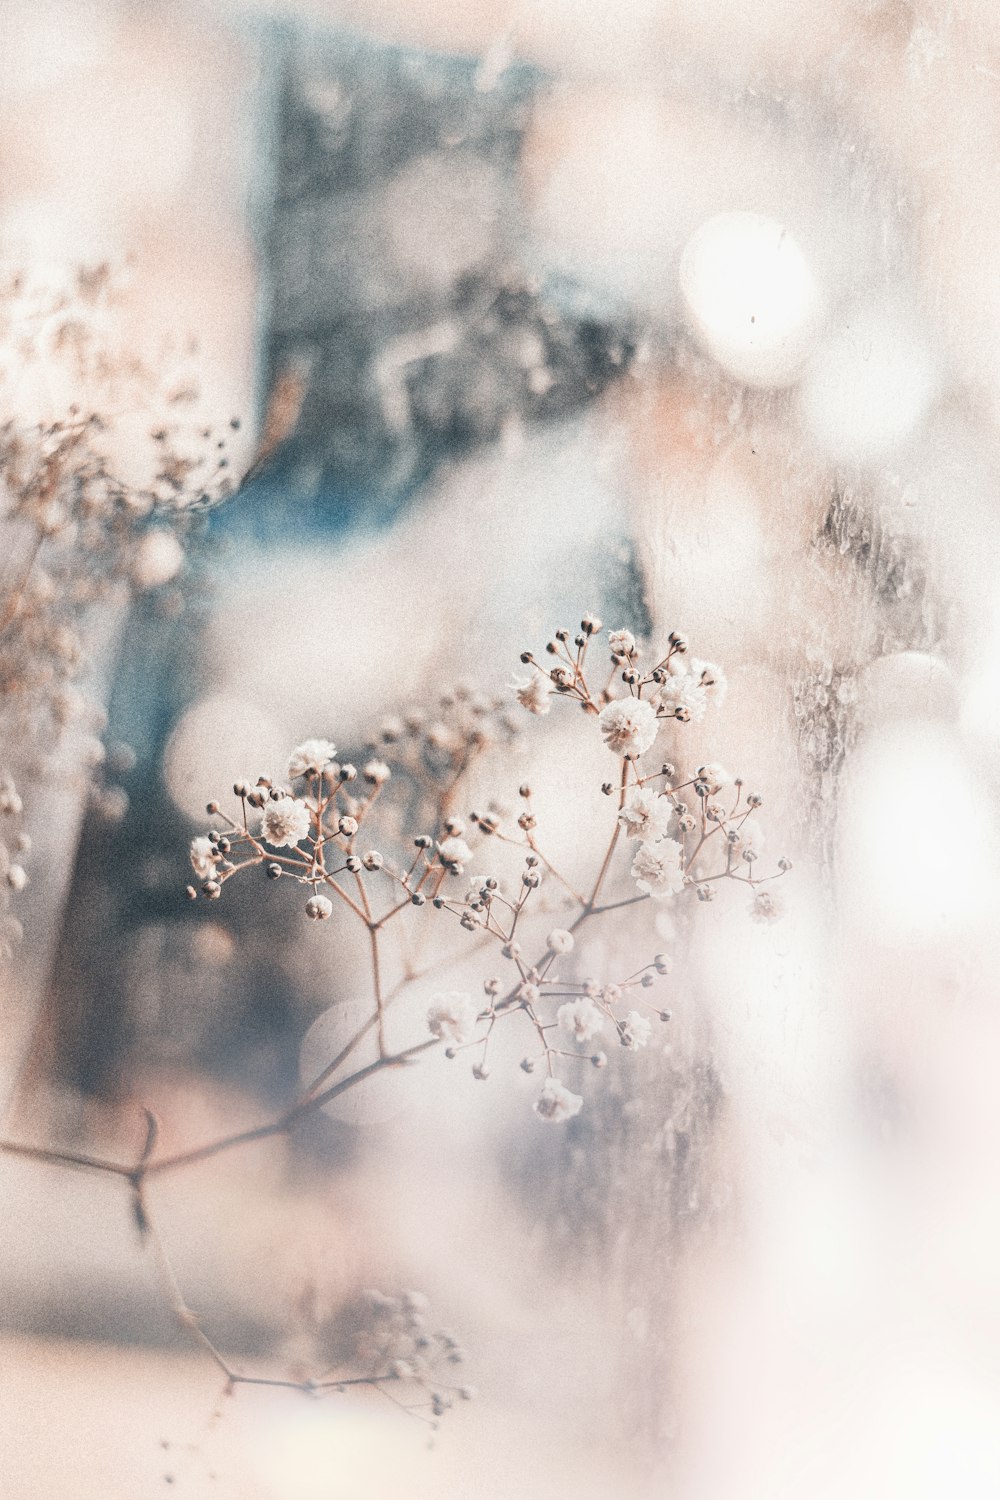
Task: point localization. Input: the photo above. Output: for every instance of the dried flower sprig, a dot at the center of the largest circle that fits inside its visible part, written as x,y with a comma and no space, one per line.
669,835
689,833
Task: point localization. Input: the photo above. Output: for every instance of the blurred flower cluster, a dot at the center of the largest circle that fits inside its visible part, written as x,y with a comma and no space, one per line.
103,476
383,1342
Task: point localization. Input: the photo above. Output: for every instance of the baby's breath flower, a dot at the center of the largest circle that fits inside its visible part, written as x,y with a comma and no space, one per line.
202,856
452,1017
312,757
690,686
376,772
680,695
711,678
714,776
533,693
17,877
657,869
559,941
747,841
319,908
286,821
581,1018
555,1103
767,906
646,815
629,726
635,1031
622,642
454,852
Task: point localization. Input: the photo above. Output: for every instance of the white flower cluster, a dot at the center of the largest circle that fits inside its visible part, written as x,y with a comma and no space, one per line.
658,864
452,1017
533,693
689,688
556,1103
646,815
681,835
629,726
319,825
581,1018
286,822
311,758
203,856
658,870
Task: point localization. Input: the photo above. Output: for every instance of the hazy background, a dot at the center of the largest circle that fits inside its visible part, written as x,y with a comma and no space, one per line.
687,313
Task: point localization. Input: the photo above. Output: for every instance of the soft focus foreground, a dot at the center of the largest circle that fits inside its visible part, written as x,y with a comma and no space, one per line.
681,313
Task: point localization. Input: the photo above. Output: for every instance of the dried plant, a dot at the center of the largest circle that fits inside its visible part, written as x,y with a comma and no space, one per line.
80,417
670,835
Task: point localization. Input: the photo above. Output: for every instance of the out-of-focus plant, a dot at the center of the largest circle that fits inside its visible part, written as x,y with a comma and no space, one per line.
103,475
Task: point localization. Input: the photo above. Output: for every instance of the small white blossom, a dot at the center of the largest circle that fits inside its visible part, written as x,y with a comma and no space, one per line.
748,842
311,758
559,941
376,772
767,906
202,857
711,678
455,852
581,1018
646,815
629,726
533,693
635,1031
681,691
17,877
714,776
453,1017
691,685
622,642
555,1103
657,870
286,821
319,908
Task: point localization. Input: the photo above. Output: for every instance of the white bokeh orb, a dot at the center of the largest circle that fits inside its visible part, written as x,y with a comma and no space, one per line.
906,685
387,1093
870,385
906,876
751,297
215,741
